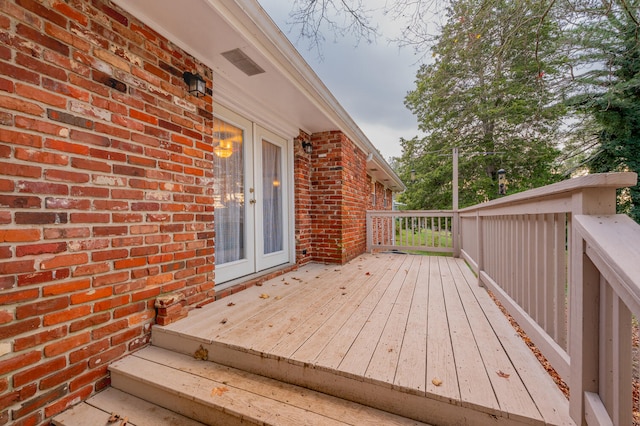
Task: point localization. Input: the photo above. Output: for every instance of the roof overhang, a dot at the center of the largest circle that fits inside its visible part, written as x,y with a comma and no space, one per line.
287,97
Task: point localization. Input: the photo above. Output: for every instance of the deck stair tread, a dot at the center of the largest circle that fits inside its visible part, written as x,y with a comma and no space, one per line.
97,410
163,376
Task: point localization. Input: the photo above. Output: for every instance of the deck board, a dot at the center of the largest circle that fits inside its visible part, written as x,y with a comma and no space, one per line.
359,355
331,344
349,284
385,358
411,369
417,325
539,384
510,391
473,379
442,377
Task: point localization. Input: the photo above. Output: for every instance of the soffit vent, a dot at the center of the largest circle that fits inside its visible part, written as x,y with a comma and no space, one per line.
244,63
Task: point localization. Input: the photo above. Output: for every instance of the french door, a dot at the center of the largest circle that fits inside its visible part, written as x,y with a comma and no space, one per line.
251,197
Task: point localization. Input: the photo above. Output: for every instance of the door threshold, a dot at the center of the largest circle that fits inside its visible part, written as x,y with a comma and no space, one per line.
230,287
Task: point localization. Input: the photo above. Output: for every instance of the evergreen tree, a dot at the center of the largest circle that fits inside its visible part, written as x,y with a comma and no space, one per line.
489,92
609,91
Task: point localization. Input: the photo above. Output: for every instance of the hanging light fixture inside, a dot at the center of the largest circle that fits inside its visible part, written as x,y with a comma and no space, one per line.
224,148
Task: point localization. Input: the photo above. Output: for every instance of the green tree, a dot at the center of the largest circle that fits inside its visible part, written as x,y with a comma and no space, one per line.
609,91
489,93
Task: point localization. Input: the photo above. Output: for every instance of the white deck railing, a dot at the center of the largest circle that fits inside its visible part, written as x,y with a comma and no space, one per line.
535,251
567,268
408,230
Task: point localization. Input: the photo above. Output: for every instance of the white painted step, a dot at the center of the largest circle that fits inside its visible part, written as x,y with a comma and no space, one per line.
217,395
97,410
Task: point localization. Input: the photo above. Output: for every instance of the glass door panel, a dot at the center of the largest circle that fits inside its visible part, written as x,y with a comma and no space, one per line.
234,215
229,192
272,212
272,197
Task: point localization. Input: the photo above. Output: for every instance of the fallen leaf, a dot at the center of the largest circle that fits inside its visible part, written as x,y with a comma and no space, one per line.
201,354
231,304
219,391
344,293
436,381
258,284
286,283
368,273
502,374
224,321
278,297
343,288
264,296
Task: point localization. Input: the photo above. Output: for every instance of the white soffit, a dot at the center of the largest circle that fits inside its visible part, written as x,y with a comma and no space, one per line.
288,96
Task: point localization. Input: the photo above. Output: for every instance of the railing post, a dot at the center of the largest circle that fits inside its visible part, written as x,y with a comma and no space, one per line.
455,229
455,226
479,247
584,303
369,232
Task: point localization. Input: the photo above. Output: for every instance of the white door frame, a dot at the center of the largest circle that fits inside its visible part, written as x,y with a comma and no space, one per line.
254,260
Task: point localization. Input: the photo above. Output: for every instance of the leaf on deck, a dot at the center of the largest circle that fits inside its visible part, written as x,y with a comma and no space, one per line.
264,296
502,374
219,391
436,381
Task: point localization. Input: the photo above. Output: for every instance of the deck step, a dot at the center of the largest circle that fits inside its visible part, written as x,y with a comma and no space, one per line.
218,395
97,410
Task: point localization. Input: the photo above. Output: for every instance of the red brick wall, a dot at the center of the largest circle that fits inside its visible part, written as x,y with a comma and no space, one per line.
105,196
302,189
326,197
339,198
355,189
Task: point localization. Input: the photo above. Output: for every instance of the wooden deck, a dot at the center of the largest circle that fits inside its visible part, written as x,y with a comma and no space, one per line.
412,335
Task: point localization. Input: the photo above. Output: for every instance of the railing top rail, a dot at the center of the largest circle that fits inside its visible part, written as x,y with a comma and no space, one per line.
433,213
616,240
600,180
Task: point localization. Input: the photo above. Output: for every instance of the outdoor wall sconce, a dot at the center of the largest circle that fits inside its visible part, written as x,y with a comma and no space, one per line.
413,175
307,146
196,84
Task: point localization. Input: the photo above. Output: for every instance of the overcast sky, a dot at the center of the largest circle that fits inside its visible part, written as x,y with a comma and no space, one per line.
369,80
